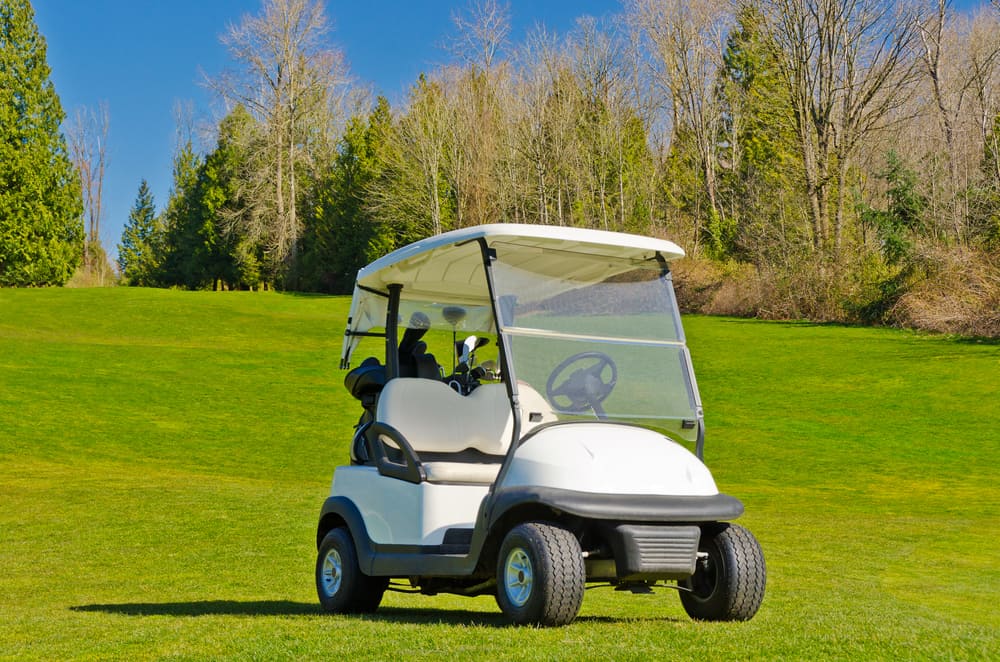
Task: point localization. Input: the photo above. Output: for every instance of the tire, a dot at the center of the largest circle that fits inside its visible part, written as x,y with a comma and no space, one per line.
540,575
728,585
340,584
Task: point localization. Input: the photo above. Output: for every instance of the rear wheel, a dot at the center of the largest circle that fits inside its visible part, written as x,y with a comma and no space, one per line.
540,575
340,584
728,583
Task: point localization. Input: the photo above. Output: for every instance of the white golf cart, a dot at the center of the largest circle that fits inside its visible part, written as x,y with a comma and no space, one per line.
565,460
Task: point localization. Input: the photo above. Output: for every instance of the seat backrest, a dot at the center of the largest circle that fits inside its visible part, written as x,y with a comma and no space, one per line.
436,419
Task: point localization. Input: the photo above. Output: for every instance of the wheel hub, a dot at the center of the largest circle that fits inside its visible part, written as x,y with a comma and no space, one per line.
518,577
332,572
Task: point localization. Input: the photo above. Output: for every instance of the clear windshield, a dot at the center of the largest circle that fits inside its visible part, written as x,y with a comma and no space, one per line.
597,337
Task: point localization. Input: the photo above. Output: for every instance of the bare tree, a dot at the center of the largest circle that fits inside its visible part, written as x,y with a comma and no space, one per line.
473,94
410,195
87,138
482,31
984,61
688,38
292,82
848,65
960,58
542,139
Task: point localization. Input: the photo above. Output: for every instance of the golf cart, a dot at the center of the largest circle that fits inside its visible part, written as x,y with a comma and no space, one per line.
572,455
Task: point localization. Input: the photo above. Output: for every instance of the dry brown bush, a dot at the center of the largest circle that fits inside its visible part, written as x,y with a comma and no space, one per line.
695,283
800,291
960,295
711,288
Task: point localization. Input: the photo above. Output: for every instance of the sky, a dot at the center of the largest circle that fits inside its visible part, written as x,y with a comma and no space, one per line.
142,57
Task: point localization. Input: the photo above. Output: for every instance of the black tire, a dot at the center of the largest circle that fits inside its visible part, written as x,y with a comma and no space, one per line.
340,584
540,575
728,585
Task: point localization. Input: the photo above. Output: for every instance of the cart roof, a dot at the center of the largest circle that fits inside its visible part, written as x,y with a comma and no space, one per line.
445,262
449,266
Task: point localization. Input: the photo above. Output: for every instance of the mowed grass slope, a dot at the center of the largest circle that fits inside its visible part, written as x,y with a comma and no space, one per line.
163,457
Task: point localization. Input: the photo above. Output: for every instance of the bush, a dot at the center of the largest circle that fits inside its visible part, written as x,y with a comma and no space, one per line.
960,294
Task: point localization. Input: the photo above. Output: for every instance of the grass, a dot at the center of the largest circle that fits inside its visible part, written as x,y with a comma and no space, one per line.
163,457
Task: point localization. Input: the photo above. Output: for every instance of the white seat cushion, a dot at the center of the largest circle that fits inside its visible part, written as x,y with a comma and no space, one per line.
436,419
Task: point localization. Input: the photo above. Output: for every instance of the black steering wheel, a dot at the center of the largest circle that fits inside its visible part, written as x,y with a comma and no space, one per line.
585,388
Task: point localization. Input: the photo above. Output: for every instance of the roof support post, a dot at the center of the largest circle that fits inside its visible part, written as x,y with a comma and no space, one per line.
392,332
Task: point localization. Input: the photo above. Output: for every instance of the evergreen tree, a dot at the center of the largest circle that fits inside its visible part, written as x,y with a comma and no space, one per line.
224,252
341,234
41,227
209,238
760,162
180,221
903,217
138,252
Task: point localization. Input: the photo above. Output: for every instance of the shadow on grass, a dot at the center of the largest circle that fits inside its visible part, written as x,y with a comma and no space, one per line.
289,608
207,608
977,340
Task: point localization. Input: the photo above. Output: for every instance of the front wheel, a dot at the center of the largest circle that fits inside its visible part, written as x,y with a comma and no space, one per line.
728,583
540,575
340,584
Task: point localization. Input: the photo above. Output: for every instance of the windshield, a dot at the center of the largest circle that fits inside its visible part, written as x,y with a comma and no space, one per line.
596,336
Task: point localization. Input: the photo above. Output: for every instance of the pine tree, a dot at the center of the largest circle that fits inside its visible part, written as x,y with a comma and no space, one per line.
224,250
138,251
341,233
902,220
180,222
759,159
41,227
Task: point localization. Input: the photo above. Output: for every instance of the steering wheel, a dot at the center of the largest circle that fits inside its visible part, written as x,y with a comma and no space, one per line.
585,388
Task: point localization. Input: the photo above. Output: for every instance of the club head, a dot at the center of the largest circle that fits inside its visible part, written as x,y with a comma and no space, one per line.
468,346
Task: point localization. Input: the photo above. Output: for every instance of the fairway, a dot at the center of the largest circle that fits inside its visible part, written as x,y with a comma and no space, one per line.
164,455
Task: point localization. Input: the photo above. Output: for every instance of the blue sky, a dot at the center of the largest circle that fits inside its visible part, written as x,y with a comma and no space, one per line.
142,56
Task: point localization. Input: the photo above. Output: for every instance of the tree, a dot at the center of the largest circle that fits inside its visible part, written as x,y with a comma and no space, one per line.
180,221
848,66
902,219
482,31
984,214
687,39
542,143
88,145
230,255
411,195
289,82
41,234
959,58
341,234
138,252
758,160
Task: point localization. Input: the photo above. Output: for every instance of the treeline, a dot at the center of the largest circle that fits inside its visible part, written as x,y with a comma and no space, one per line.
834,160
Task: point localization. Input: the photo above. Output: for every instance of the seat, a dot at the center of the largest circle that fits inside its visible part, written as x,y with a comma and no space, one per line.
462,438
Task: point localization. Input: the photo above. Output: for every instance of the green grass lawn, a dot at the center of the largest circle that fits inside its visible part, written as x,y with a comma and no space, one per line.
164,455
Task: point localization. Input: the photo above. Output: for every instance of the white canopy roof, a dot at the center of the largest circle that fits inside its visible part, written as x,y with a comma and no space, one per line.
449,266
447,262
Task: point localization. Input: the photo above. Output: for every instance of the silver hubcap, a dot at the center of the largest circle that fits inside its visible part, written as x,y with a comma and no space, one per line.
518,577
332,572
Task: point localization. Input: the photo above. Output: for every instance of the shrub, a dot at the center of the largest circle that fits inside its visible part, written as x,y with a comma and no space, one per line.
960,294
